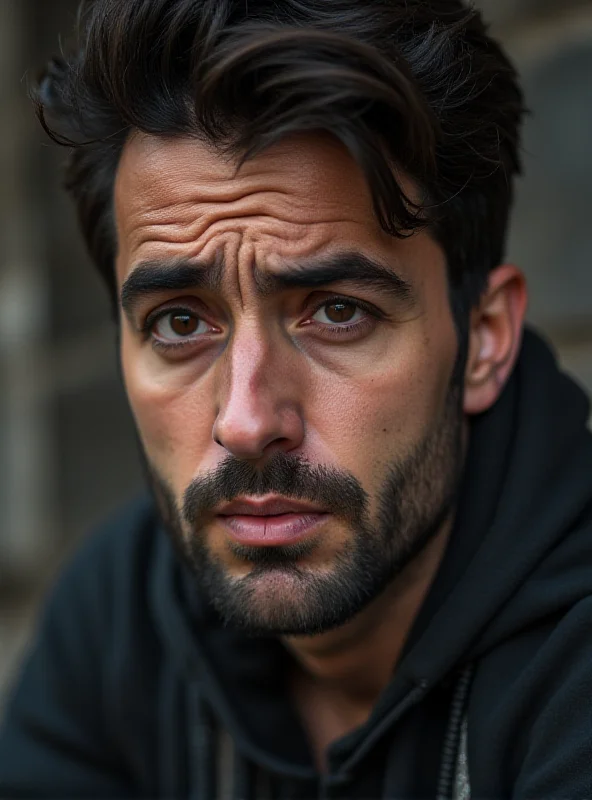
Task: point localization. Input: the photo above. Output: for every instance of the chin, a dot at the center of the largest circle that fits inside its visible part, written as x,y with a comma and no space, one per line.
279,601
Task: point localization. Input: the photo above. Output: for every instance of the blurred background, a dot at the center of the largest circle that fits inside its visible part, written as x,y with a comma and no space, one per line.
67,449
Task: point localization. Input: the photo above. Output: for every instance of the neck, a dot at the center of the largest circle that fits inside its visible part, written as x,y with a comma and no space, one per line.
354,664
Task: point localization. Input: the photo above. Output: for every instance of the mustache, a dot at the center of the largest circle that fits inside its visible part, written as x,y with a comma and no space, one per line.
293,477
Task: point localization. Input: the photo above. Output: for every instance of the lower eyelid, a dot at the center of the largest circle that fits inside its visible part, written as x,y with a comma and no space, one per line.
337,331
176,346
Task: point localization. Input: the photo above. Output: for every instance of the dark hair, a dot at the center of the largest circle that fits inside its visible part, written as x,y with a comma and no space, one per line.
415,84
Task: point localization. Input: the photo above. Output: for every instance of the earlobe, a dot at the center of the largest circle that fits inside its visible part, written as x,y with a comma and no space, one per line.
495,336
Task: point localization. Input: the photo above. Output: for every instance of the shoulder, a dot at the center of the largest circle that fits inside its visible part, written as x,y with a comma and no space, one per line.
82,635
558,687
99,580
121,533
115,545
529,711
63,725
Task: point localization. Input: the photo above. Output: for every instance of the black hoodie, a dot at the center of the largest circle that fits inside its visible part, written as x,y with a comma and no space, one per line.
133,688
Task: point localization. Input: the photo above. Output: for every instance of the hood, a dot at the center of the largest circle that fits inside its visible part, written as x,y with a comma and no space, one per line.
524,522
515,556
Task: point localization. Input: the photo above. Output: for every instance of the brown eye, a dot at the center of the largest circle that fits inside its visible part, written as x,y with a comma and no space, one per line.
183,324
339,312
178,325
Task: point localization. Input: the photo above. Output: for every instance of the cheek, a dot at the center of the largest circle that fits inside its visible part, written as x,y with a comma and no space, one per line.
379,412
386,402
174,417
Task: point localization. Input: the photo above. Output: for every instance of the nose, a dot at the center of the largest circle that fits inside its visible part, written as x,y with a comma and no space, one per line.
259,409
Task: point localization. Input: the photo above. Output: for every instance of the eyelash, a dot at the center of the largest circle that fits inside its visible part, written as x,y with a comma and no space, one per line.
342,330
331,330
149,323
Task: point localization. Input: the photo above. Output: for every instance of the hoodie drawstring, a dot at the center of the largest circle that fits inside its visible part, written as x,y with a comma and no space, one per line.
453,769
202,755
217,769
235,772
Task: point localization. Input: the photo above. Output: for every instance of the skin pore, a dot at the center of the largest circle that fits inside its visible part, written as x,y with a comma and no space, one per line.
348,375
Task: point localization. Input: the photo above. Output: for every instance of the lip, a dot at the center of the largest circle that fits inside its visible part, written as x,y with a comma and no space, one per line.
256,530
271,521
269,507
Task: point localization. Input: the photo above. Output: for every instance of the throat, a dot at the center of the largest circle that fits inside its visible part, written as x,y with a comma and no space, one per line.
339,676
326,715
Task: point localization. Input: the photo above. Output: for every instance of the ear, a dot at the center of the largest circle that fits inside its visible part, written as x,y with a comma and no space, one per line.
495,337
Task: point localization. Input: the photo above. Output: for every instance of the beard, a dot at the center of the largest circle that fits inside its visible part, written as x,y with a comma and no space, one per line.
283,595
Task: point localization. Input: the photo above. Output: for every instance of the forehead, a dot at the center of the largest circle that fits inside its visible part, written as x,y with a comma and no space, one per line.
184,168
172,190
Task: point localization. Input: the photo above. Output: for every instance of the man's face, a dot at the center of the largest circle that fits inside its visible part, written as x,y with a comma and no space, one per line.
289,368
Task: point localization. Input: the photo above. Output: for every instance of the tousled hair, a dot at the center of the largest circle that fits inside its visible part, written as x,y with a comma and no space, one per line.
415,86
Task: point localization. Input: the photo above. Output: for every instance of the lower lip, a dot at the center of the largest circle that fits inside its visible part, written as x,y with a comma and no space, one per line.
269,531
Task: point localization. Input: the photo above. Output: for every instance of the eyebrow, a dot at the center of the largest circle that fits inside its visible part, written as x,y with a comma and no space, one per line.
154,277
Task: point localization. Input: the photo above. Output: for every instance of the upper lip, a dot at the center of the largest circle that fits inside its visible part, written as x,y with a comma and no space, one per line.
268,508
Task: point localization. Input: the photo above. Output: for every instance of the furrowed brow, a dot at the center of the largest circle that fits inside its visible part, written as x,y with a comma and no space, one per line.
154,277
352,268
151,278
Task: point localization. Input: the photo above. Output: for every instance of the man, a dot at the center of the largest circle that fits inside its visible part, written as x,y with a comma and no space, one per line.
365,570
